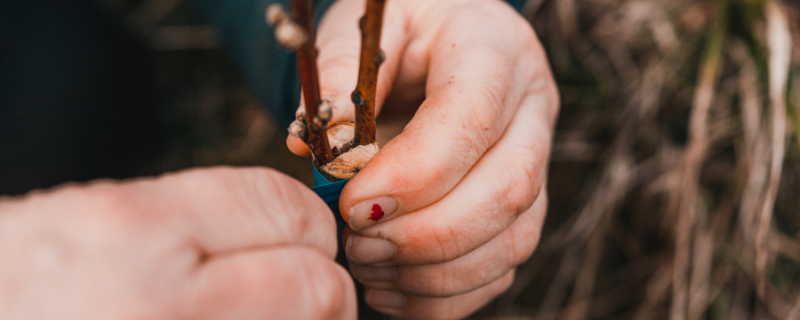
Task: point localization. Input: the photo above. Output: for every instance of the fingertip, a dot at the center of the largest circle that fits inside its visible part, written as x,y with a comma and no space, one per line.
333,289
386,301
349,308
297,146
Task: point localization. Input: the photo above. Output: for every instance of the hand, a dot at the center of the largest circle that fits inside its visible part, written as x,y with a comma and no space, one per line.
203,244
442,215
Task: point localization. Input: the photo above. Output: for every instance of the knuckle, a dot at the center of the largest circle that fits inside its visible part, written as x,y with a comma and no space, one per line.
443,285
281,190
439,281
522,183
505,282
448,243
524,237
285,195
103,203
266,195
105,199
469,145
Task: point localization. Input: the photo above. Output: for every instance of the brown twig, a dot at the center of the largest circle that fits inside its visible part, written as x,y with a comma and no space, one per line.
779,43
316,139
298,34
686,204
364,96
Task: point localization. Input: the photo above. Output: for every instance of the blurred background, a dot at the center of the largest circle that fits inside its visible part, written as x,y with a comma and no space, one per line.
675,176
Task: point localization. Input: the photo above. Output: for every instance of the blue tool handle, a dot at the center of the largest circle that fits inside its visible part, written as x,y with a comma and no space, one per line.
330,192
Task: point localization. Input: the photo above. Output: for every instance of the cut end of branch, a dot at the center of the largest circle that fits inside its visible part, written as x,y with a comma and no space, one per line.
346,164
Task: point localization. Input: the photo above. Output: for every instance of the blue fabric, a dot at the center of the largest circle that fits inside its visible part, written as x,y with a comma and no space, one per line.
517,4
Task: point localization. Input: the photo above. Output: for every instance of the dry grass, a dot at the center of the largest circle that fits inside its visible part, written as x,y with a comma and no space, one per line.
677,111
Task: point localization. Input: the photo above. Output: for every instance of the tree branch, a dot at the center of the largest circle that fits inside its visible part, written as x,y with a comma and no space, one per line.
364,95
298,34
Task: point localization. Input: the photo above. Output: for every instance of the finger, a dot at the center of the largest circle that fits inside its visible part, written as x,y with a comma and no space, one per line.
473,270
502,185
339,44
292,282
226,209
473,90
456,307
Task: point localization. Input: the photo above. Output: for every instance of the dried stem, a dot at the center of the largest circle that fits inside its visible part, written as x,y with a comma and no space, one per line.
686,204
364,95
297,32
779,43
316,139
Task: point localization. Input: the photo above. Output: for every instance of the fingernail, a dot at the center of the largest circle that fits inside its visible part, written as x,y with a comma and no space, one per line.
367,213
373,274
380,299
363,250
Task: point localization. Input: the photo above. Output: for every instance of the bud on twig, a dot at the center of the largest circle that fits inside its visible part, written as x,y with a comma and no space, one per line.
315,135
325,111
290,35
288,32
297,129
276,14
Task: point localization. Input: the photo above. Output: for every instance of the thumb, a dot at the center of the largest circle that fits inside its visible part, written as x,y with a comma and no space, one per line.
339,44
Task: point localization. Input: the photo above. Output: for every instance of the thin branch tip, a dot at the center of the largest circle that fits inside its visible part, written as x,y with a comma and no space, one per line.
364,96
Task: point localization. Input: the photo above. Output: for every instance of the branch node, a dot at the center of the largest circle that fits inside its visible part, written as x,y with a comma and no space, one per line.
381,58
298,130
318,123
357,99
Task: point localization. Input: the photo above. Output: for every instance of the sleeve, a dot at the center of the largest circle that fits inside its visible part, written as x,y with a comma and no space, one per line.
270,70
517,4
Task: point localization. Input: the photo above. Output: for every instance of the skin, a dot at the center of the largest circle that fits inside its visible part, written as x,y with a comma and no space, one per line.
217,243
467,173
465,176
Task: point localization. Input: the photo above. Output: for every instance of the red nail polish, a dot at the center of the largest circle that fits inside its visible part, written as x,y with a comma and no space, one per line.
377,213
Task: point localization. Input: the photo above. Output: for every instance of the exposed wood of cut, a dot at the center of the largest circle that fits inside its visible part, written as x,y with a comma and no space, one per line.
347,164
